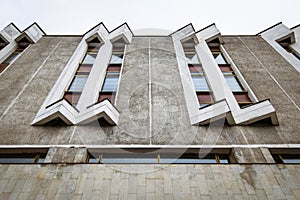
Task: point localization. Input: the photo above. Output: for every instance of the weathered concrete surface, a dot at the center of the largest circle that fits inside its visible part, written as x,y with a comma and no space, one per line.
149,181
258,61
147,59
22,95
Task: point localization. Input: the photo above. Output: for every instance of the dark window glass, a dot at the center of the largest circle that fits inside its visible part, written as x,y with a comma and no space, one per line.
2,44
290,158
89,58
72,97
232,82
106,95
287,158
78,83
219,58
14,55
111,82
190,52
22,158
200,82
204,98
93,158
116,58
192,58
133,158
194,159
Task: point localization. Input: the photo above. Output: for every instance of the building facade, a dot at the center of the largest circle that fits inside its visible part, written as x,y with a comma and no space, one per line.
111,114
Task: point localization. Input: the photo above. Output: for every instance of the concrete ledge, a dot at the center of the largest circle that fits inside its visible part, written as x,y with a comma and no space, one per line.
254,113
71,116
211,113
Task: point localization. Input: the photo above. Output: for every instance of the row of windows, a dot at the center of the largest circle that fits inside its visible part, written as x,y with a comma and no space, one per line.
112,74
134,158
201,86
203,92
147,156
240,94
22,158
73,93
111,80
32,155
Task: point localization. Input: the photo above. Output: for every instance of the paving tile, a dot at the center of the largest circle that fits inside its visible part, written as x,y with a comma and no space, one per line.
203,187
141,192
150,196
168,183
150,185
132,187
115,182
131,196
278,192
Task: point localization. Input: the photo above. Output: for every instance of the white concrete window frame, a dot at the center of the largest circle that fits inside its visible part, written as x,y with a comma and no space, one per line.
226,104
279,32
13,36
87,109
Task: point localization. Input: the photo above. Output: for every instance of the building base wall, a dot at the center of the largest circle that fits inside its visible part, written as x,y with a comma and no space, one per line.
99,181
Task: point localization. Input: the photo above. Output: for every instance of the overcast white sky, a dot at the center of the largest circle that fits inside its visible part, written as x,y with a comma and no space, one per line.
78,16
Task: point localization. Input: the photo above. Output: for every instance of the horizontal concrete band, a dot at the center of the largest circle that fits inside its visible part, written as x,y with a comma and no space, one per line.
159,146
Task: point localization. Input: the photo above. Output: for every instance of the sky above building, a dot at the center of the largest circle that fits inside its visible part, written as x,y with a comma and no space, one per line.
155,16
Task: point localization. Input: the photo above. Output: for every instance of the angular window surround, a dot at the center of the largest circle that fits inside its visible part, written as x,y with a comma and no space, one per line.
15,38
278,33
88,109
239,92
286,44
203,92
226,104
73,93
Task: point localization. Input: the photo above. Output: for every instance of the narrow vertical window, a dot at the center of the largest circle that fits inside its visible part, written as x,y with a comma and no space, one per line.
240,94
22,45
202,89
111,80
74,91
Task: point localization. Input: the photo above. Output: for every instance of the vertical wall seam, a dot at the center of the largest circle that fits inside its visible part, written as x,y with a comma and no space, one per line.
274,79
29,81
72,135
150,92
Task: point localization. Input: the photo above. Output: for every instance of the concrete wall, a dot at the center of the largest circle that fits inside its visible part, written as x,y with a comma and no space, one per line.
270,76
150,181
150,99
